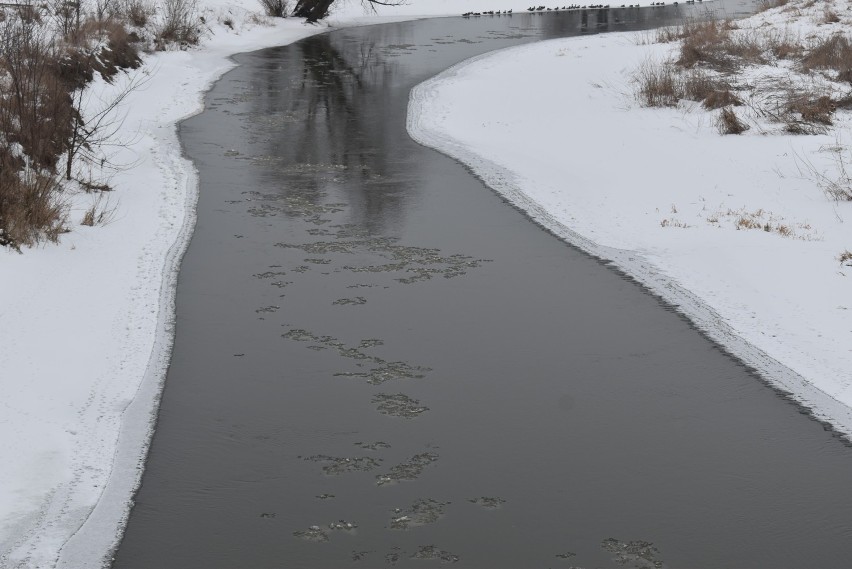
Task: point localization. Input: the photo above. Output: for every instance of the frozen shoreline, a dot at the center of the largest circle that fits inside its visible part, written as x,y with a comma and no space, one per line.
75,426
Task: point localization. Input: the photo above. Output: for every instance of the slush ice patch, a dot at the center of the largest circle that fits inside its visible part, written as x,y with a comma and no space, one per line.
422,512
409,470
398,405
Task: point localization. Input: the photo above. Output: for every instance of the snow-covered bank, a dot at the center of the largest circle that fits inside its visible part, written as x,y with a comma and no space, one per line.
661,193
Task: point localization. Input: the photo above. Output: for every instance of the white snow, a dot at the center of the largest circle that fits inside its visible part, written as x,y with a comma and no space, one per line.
85,326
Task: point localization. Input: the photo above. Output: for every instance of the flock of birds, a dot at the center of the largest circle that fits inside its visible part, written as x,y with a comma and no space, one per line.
538,9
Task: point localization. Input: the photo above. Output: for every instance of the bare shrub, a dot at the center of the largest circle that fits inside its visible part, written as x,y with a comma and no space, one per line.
658,85
180,23
729,123
34,108
67,14
137,12
274,8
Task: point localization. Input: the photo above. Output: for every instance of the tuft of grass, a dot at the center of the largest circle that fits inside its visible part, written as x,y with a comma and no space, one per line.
711,44
845,258
729,123
812,109
99,213
658,85
31,209
720,99
829,16
673,223
831,53
783,46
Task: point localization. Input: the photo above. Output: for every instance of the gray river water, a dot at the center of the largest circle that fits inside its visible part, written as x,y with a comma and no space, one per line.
380,363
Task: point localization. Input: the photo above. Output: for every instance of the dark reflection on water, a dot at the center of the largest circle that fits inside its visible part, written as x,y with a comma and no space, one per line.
379,363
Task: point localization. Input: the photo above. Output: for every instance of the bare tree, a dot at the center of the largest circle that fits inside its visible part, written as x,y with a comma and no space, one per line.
315,10
67,14
95,124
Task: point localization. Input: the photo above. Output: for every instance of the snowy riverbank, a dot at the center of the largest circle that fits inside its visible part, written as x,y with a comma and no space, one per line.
86,324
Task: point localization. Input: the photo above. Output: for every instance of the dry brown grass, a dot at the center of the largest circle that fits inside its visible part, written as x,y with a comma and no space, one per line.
831,53
812,109
658,85
729,123
829,16
99,213
721,99
711,44
30,208
713,92
783,45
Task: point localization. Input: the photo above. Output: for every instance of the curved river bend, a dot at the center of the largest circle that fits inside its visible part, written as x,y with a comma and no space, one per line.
379,363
